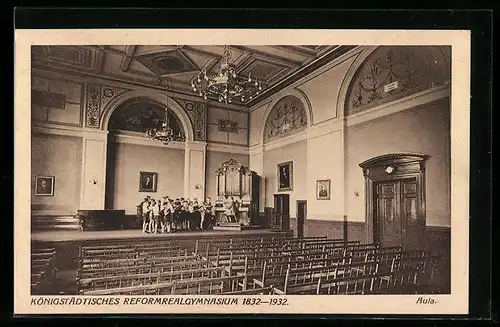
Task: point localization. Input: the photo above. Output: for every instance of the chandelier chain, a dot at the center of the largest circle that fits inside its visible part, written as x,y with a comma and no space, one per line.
165,134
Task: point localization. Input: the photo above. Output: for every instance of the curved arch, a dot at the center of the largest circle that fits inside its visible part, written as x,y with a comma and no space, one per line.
157,96
292,92
351,72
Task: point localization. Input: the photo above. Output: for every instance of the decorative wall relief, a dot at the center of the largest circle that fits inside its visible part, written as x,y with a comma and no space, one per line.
197,114
228,126
98,97
392,72
287,117
92,113
108,93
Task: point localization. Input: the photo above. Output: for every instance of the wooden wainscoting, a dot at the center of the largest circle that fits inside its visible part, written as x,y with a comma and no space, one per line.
438,240
438,243
53,222
330,228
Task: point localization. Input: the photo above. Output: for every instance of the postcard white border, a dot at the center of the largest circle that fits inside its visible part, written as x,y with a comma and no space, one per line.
454,303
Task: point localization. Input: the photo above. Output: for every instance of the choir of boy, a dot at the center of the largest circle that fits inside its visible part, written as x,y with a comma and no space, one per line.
167,215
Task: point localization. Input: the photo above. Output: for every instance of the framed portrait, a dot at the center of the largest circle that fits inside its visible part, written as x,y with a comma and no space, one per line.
323,189
148,181
44,185
285,176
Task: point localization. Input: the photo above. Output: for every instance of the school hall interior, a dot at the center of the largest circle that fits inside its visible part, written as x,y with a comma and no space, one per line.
289,169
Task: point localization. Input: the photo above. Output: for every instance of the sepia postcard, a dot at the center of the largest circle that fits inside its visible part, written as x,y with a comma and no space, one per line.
270,171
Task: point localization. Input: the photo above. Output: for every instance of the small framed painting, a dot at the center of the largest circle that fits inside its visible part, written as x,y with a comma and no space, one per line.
285,176
44,185
323,189
148,181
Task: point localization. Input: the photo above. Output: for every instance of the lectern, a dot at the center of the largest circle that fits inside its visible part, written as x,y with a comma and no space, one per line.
243,185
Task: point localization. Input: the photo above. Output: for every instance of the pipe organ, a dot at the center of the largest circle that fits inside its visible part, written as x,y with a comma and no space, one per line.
239,182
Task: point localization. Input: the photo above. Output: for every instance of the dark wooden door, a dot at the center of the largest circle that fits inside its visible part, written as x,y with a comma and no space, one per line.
301,217
412,229
282,211
397,222
388,226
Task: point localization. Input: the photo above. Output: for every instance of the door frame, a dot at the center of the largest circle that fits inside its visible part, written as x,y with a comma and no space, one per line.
390,167
297,215
284,221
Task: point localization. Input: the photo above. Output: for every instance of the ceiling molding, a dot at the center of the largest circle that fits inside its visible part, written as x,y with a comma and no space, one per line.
297,49
129,52
270,57
300,73
201,52
121,63
116,82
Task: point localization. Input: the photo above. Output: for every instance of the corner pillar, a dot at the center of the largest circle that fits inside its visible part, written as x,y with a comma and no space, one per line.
94,156
194,169
257,165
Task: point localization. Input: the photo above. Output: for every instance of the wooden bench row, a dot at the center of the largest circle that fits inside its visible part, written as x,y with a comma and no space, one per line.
405,276
43,270
165,252
266,247
202,246
273,273
353,278
353,250
218,285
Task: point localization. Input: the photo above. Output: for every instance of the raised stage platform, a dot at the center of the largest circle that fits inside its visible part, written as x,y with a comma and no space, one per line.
75,235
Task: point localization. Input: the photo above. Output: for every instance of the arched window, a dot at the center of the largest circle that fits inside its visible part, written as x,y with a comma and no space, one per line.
287,117
140,114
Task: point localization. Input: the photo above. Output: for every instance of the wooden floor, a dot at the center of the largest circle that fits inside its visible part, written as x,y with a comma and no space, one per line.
74,235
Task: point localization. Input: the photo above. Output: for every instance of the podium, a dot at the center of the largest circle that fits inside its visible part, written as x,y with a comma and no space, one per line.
101,220
243,185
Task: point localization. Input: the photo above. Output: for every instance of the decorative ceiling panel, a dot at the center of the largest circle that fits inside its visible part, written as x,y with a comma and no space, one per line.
282,51
142,50
68,57
136,66
116,47
168,62
144,64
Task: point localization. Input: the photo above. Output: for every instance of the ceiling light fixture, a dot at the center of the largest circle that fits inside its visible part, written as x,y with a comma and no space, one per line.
165,134
226,85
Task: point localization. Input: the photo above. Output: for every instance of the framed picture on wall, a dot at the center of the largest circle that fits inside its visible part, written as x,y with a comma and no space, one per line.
148,181
285,176
44,185
323,189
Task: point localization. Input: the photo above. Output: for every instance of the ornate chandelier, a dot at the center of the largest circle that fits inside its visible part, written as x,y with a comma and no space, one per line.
165,134
226,85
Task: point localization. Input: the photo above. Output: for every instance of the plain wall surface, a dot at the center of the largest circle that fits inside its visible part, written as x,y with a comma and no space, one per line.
131,159
61,157
296,152
424,130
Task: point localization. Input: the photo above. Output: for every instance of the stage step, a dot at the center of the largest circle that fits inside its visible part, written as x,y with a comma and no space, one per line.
235,226
47,223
